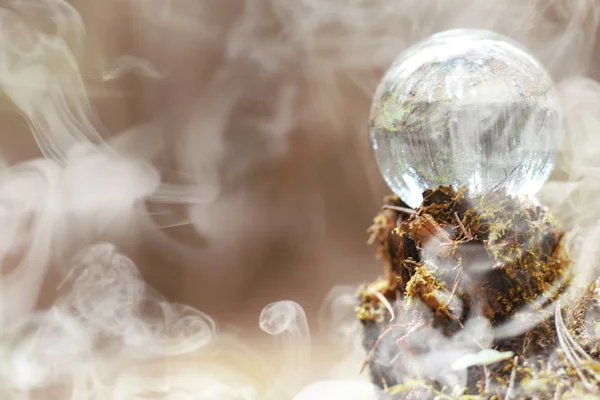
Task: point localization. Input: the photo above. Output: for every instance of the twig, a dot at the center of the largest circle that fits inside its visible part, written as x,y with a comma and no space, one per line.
506,176
385,332
385,302
488,379
571,349
404,337
482,374
462,227
477,343
455,243
557,392
513,376
400,209
384,383
453,289
368,358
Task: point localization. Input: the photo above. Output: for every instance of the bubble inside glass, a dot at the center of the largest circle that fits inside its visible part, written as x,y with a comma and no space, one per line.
465,107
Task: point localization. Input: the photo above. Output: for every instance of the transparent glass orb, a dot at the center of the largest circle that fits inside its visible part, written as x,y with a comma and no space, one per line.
465,107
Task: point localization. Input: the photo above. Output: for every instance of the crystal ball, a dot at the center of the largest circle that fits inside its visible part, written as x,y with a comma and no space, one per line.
465,107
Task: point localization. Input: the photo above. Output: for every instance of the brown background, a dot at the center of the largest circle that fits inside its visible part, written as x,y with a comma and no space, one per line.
268,103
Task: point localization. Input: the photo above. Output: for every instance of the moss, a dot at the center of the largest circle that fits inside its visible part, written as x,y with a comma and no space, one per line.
517,244
371,308
496,254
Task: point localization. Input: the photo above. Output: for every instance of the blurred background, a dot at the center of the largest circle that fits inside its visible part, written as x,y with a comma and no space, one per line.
222,145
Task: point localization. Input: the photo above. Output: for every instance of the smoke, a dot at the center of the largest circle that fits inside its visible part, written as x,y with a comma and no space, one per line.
108,336
224,145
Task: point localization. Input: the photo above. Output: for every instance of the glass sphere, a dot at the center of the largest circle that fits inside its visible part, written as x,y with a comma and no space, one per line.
465,107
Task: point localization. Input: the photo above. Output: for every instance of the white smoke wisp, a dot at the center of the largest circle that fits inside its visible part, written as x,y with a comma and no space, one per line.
125,64
40,75
28,196
286,321
243,105
109,336
342,332
574,192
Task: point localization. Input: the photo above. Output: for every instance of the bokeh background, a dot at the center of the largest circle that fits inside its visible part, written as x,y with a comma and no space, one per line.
222,145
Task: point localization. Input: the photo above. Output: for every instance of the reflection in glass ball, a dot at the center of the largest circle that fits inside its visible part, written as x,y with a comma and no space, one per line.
465,107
